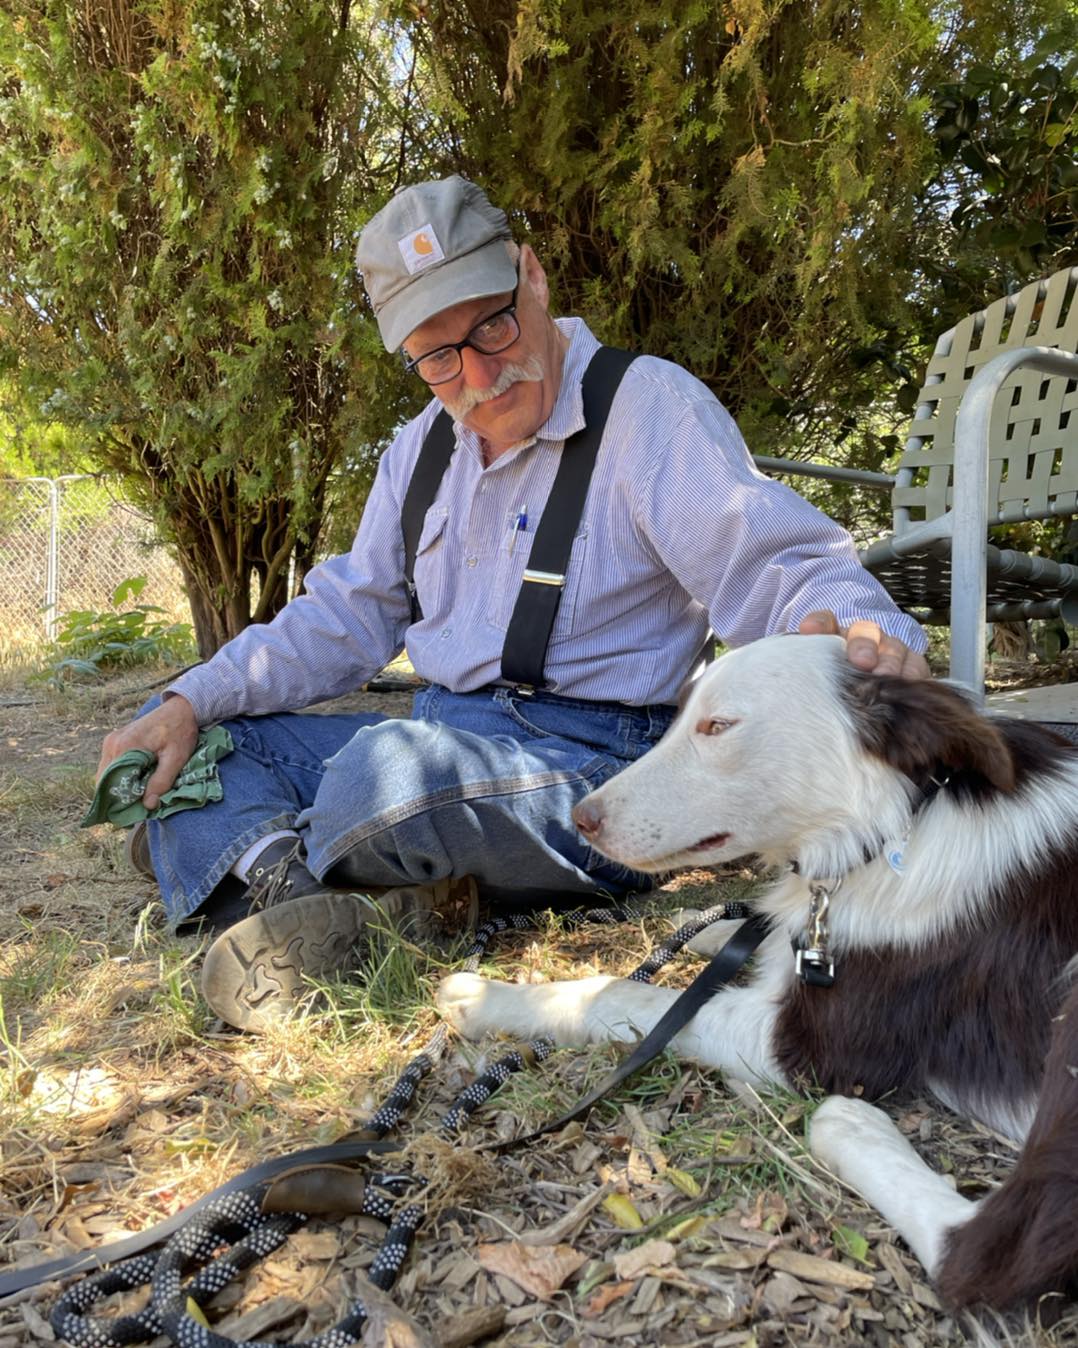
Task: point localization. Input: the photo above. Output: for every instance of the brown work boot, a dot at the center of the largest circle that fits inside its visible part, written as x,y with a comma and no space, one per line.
298,929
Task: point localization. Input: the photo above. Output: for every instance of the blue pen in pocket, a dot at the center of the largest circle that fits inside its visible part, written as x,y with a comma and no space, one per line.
519,525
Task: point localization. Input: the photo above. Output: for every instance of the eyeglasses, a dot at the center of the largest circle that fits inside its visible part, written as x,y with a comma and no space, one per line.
494,333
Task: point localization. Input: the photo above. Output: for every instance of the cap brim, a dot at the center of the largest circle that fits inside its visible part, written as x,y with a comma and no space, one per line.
486,271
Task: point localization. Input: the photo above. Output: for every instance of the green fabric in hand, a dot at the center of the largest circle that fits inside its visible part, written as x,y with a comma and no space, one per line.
118,798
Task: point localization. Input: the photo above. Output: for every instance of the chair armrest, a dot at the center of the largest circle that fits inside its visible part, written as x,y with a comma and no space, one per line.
800,468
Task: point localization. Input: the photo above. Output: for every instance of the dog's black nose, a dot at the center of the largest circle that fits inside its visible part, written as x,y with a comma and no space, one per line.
588,818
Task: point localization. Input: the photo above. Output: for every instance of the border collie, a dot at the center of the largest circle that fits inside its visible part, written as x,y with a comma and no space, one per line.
929,857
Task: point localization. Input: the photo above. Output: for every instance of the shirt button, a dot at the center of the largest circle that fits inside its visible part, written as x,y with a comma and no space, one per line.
472,561
447,632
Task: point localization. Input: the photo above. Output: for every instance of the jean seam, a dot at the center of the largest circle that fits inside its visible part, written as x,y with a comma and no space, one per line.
489,789
270,760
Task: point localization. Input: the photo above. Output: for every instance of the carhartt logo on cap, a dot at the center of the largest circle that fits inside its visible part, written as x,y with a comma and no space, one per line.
420,249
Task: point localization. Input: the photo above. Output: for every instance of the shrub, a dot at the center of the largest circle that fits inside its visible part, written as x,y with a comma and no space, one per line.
89,642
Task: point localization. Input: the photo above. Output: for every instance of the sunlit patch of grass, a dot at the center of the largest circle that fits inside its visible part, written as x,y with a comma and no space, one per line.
393,986
32,970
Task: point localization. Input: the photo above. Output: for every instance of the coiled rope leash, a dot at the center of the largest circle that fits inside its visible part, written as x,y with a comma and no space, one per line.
248,1213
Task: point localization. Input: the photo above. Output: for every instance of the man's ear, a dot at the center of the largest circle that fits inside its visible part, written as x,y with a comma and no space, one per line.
915,725
533,275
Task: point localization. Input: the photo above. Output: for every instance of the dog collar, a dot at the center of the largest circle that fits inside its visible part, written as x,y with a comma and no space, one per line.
813,962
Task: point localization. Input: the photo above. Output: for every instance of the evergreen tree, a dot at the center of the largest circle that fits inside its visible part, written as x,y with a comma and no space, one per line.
179,191
737,186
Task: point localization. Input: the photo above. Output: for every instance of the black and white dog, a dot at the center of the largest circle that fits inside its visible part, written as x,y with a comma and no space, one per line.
934,859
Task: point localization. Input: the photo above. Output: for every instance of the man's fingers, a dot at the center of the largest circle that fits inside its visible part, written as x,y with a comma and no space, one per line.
169,732
865,646
164,774
820,623
915,666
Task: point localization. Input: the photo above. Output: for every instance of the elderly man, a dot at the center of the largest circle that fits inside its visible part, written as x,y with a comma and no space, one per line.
675,534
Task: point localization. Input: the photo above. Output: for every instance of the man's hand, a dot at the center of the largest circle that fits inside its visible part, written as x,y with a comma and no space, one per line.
170,731
868,647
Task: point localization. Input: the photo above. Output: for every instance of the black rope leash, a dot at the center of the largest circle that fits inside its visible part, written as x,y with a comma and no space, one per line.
236,1215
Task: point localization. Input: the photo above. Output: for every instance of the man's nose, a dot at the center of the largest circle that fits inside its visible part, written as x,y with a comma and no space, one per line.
479,370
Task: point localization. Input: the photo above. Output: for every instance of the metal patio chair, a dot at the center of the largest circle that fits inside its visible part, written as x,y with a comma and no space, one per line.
994,440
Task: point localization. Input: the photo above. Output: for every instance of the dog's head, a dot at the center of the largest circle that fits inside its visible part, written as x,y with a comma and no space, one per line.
785,751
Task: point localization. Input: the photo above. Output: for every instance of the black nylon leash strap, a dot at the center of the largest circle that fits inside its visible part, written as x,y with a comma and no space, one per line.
722,968
528,635
85,1260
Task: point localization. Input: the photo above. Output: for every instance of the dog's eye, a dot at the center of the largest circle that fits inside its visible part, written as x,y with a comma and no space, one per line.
713,727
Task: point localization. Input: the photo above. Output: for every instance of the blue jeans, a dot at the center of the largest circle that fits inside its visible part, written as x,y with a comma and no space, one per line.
477,784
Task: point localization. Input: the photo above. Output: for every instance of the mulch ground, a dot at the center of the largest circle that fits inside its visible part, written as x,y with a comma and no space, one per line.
681,1212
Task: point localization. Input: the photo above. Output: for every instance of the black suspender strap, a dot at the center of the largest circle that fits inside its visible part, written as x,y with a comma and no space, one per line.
433,460
526,641
537,603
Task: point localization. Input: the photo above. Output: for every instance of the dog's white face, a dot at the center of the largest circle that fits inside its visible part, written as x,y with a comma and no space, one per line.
763,759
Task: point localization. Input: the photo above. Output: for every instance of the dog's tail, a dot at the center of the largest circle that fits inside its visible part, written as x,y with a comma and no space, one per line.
1023,1240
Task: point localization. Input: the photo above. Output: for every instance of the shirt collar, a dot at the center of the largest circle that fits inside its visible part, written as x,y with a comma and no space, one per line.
567,415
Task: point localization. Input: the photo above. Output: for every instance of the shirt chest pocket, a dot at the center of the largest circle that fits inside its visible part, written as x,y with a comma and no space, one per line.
508,575
431,568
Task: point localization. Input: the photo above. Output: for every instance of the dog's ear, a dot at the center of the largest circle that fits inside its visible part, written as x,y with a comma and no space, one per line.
916,724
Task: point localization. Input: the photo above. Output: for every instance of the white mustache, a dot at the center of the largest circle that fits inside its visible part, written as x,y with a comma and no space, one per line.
530,371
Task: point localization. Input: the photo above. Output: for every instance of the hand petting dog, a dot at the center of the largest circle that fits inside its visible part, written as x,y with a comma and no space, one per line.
868,647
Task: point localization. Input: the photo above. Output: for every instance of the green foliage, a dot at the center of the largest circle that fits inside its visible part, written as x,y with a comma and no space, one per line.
30,447
792,201
179,191
88,643
735,186
1008,137
852,1243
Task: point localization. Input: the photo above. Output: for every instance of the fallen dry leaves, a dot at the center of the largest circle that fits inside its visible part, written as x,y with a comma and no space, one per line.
538,1269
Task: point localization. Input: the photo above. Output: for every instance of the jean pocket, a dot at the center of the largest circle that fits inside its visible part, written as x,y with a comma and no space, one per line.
566,719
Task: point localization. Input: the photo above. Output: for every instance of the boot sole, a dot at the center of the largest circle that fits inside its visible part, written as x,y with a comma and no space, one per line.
257,972
137,850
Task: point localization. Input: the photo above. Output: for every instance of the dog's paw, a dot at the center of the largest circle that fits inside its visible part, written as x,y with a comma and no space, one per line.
843,1125
463,1000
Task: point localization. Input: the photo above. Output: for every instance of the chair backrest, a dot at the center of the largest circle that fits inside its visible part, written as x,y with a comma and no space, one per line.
1033,467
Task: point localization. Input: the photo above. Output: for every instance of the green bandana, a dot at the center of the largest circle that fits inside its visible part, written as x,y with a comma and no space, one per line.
118,798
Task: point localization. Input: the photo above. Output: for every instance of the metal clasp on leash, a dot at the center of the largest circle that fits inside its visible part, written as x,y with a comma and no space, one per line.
812,962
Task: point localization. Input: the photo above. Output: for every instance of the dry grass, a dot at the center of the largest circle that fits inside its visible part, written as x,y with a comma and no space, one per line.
121,1100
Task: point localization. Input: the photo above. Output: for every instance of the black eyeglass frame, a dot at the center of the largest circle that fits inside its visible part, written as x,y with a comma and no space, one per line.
411,366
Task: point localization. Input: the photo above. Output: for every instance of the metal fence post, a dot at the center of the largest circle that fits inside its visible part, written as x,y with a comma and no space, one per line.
52,561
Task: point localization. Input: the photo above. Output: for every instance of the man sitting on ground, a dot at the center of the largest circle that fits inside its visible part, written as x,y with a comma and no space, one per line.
678,534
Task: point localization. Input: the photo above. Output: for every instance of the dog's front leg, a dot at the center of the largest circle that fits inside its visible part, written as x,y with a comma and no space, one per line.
563,1012
731,1033
861,1145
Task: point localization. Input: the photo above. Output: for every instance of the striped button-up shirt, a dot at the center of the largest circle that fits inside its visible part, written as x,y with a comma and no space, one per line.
680,533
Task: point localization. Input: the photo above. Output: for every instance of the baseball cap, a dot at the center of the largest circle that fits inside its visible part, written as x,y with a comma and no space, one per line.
432,246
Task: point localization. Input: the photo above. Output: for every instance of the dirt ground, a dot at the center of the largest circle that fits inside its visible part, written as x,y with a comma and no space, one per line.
679,1213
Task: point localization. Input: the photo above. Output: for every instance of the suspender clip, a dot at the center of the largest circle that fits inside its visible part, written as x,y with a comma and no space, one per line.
545,578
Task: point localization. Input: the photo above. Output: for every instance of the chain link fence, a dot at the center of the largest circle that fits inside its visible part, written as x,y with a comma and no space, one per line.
66,543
